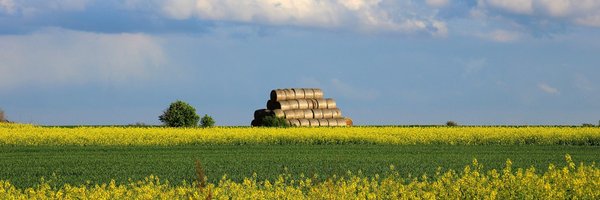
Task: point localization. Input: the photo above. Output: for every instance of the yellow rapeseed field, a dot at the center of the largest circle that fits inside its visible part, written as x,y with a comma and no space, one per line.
16,134
569,182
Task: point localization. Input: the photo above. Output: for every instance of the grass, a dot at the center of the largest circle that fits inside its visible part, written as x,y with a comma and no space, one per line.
24,166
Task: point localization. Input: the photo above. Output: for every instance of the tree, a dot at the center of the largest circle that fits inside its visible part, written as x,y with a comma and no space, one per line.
2,117
451,123
180,114
207,121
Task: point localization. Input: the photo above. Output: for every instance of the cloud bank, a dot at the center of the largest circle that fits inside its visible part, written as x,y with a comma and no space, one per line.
361,15
58,56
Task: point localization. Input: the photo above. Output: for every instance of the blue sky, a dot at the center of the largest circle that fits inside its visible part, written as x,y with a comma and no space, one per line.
384,61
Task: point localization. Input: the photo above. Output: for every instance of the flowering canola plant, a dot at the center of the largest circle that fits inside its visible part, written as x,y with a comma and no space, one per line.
569,182
30,135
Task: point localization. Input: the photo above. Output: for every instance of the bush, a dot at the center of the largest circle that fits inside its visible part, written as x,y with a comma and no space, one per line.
271,121
587,125
180,114
2,117
207,121
451,123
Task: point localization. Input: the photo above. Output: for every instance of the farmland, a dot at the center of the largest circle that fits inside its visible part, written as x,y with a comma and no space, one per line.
85,156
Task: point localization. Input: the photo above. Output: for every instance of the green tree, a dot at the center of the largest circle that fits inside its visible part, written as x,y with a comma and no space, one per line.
2,116
207,121
180,114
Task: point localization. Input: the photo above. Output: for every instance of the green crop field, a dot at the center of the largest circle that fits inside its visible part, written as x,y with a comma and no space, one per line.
23,166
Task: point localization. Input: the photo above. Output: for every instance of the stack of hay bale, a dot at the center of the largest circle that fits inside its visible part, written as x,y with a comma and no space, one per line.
302,107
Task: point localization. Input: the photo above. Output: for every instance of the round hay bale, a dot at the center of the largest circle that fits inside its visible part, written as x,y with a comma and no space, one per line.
290,114
261,113
299,114
315,104
321,104
341,122
299,93
314,122
332,122
289,94
349,121
294,122
337,113
278,95
304,122
330,103
317,113
323,122
309,93
272,105
278,113
283,105
327,113
255,122
308,114
302,103
293,104
318,93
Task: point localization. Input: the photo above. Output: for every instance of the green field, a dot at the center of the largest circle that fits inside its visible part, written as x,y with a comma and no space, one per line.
24,166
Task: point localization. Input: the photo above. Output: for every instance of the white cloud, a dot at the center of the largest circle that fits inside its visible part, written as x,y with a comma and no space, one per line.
437,3
548,89
8,6
515,6
57,56
580,12
363,15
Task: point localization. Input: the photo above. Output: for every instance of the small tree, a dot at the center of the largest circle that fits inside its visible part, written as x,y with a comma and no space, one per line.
271,121
451,123
2,117
207,121
180,114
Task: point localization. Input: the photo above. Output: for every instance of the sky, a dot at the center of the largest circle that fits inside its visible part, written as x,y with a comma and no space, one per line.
475,62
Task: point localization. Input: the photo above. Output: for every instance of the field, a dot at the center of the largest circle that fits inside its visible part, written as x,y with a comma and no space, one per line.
86,156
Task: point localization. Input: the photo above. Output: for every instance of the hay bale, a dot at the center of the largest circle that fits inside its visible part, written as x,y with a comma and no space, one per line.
290,114
313,122
308,114
337,113
302,104
332,122
323,122
278,95
304,122
293,122
309,93
321,104
298,93
255,122
318,93
349,121
278,113
341,122
261,113
327,113
330,103
317,113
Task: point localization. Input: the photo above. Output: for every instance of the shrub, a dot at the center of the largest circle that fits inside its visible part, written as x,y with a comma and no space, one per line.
180,114
2,117
451,123
587,125
271,121
207,121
